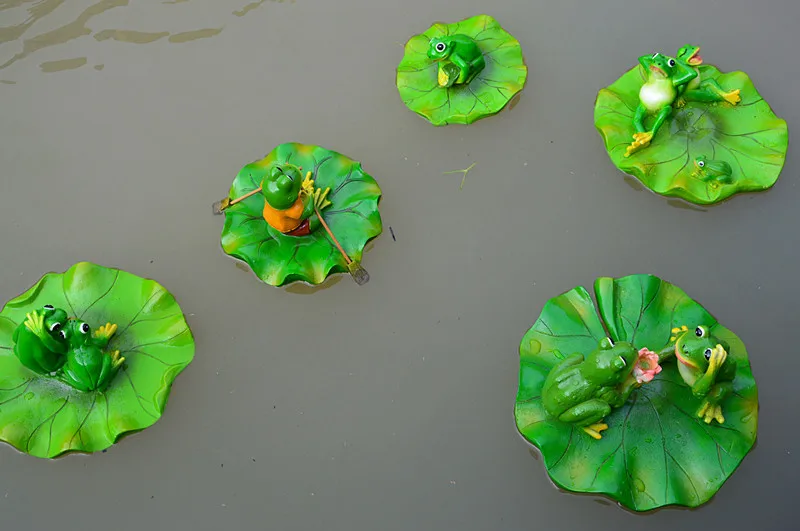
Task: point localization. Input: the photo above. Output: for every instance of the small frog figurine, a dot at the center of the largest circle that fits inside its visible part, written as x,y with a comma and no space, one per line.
704,365
88,366
698,89
582,391
39,341
712,170
291,203
459,57
665,75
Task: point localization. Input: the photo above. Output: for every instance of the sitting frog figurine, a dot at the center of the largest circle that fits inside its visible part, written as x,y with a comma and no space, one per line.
459,57
664,77
582,391
291,204
88,366
704,365
712,170
39,343
699,89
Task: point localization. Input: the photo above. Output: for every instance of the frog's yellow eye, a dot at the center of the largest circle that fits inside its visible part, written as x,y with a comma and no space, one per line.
707,353
440,47
84,328
699,331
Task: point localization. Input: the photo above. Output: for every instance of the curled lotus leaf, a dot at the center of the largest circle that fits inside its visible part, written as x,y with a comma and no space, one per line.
45,418
278,259
748,136
495,86
656,451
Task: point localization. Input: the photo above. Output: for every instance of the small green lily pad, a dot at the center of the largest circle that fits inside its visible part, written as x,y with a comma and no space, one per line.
46,418
278,259
656,452
748,136
487,94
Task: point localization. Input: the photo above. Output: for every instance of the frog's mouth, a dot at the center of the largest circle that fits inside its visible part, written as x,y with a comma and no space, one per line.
695,59
658,71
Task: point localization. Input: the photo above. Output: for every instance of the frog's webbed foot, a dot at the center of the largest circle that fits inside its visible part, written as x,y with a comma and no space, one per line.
106,331
321,198
594,430
116,359
732,97
640,141
709,411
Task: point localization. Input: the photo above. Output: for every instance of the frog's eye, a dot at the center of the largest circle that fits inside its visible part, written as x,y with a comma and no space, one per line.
84,328
55,327
701,163
624,363
699,331
49,307
707,353
440,47
671,62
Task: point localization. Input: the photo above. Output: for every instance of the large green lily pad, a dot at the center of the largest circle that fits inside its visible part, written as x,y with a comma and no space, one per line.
487,94
656,452
748,136
278,259
46,418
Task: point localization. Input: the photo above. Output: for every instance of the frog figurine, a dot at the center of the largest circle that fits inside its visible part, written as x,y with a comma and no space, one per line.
699,89
704,365
459,57
291,203
582,391
665,76
39,341
88,366
716,171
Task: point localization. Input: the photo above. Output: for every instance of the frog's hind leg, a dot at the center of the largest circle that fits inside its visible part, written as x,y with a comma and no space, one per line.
588,416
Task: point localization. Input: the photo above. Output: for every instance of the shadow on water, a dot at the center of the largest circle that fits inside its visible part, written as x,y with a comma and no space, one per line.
31,12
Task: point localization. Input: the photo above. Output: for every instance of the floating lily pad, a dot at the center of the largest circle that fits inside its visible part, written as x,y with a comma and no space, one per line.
45,418
487,94
748,136
278,259
656,452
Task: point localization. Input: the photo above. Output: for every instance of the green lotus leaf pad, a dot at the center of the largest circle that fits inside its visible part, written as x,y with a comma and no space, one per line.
280,259
747,138
656,451
488,93
46,418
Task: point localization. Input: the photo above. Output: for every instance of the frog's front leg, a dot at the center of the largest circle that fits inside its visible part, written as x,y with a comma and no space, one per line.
587,415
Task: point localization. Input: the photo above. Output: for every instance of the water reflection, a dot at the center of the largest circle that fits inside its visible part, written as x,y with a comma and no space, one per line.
22,39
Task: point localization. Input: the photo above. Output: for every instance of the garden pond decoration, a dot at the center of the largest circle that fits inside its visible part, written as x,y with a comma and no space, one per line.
651,403
685,129
462,72
302,213
71,384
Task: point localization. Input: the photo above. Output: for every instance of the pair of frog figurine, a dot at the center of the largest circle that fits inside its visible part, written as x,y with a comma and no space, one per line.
672,82
582,391
48,342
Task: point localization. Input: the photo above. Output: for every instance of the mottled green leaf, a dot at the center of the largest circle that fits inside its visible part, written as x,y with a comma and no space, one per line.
503,77
278,259
46,418
656,452
748,136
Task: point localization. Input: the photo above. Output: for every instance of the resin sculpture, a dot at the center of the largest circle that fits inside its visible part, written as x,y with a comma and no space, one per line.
68,387
290,226
687,130
462,72
667,429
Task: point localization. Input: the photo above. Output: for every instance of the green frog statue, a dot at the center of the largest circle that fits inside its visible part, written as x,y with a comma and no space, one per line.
669,83
583,390
51,344
704,365
459,57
